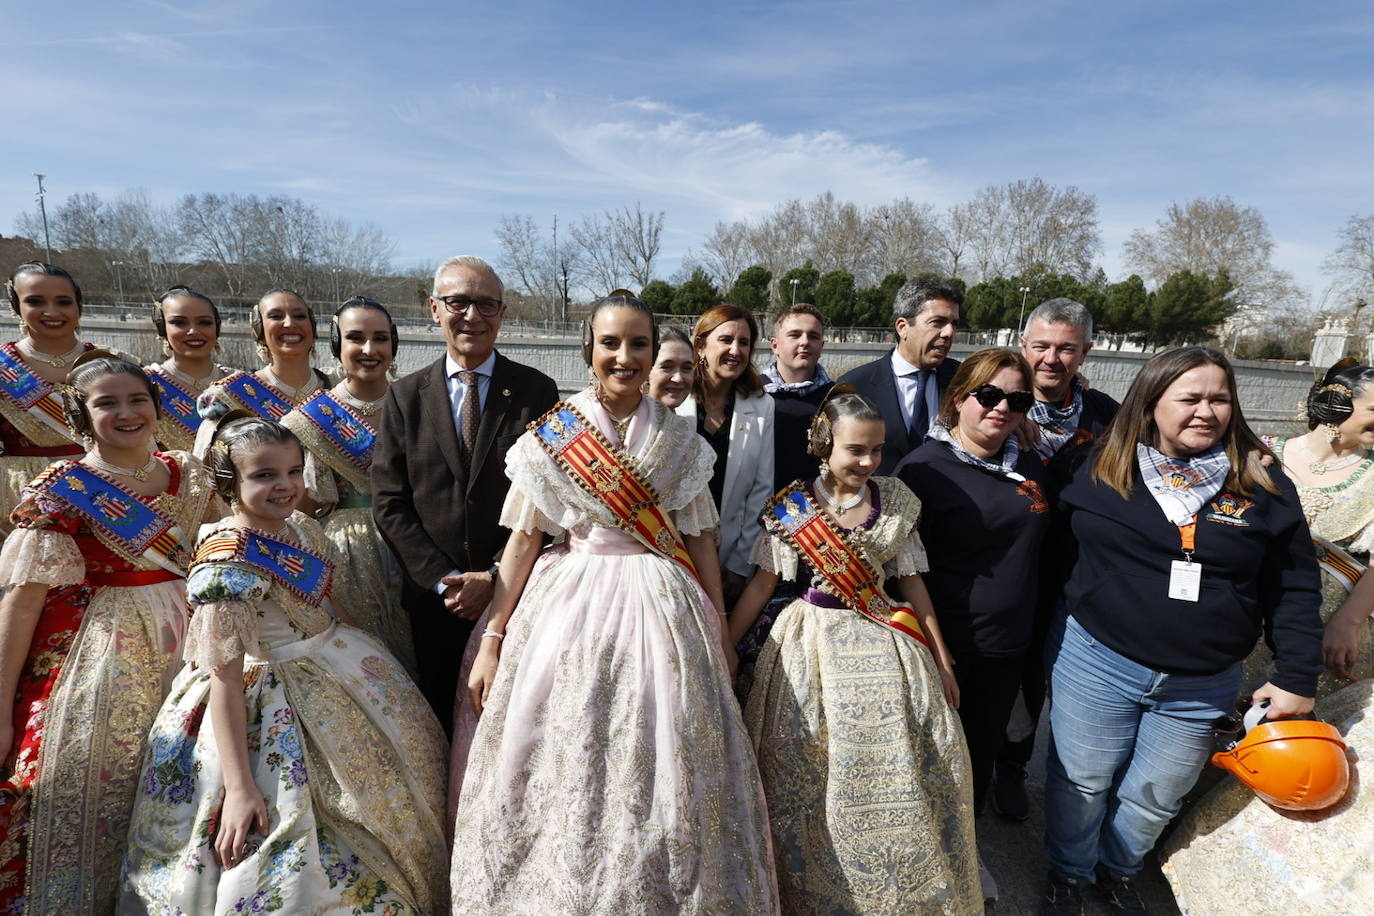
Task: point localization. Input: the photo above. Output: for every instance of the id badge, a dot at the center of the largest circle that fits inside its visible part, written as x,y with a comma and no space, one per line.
1185,580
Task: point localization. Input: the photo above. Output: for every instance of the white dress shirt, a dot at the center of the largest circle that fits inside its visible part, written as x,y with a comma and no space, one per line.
913,383
457,390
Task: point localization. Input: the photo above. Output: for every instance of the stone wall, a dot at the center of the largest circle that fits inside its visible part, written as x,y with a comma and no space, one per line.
1272,393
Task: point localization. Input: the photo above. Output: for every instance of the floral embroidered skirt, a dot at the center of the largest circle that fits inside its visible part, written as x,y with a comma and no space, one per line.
350,761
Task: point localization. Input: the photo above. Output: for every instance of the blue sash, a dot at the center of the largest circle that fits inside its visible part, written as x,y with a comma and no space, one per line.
25,392
256,395
299,571
341,428
177,402
124,522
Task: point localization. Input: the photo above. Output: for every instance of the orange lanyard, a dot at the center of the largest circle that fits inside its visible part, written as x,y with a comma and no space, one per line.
1187,534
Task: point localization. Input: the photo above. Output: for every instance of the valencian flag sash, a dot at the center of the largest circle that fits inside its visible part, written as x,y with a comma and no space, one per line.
794,518
122,521
23,391
301,572
177,402
256,395
1344,568
348,433
584,454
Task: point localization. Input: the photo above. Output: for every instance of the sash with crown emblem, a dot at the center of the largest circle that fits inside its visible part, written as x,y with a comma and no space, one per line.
177,403
335,433
793,517
301,572
584,454
121,520
252,393
24,394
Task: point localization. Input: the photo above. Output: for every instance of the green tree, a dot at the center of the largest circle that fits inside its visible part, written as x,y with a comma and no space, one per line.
696,295
837,300
992,304
875,302
1127,307
807,277
1188,307
657,295
750,291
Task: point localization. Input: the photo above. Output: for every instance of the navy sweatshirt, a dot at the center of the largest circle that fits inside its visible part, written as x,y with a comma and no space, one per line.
1259,573
982,532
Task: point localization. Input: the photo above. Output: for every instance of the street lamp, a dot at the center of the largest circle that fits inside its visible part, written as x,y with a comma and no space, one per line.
335,272
1021,322
795,281
42,209
119,279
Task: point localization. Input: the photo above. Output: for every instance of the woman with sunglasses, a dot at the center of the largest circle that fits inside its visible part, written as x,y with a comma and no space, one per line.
984,516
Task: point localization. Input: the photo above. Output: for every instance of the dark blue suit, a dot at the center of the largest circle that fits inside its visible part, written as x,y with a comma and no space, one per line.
876,382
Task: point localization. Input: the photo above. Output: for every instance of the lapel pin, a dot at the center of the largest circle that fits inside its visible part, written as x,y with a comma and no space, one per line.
505,392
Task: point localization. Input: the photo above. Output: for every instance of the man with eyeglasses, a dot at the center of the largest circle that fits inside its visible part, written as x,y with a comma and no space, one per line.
907,383
439,469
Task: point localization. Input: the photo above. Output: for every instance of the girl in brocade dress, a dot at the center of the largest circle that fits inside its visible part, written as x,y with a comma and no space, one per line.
294,767
90,637
338,428
610,771
189,325
863,760
33,432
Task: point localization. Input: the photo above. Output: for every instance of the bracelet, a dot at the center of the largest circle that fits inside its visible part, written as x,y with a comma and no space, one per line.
493,633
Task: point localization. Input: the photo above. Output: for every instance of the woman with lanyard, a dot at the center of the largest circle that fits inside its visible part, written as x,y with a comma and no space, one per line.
338,428
983,518
284,330
1287,860
735,417
610,771
189,325
1187,547
91,632
33,429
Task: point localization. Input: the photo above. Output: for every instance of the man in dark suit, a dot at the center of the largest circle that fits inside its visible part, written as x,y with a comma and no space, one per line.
909,381
439,469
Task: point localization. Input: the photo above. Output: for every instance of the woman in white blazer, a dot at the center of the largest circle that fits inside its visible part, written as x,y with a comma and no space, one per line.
735,416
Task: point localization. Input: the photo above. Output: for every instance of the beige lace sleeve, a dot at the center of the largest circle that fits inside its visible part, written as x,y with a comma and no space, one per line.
221,632
1364,543
774,556
910,558
319,482
698,515
41,556
519,513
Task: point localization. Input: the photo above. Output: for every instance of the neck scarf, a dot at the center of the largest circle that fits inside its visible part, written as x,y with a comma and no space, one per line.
773,381
1182,486
1003,466
1057,424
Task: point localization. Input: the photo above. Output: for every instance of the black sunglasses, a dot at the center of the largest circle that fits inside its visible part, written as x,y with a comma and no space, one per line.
990,396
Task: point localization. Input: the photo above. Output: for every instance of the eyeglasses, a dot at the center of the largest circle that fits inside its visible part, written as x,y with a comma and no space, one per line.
458,305
990,396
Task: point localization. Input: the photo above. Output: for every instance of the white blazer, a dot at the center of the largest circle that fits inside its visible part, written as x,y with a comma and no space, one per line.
748,477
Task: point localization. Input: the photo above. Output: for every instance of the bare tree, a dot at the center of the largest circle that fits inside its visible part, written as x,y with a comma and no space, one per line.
1352,262
1207,236
725,253
907,239
527,260
954,231
222,230
1027,226
601,267
637,235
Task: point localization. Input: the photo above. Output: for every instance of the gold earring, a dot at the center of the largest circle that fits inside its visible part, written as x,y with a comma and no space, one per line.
264,354
166,347
1330,431
76,328
393,371
24,330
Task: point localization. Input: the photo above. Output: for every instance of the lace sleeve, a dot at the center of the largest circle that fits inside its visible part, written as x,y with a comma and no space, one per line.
910,558
519,513
42,556
1364,542
774,556
224,615
319,482
698,515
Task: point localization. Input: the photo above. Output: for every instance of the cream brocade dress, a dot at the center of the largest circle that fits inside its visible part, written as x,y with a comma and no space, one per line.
610,772
367,581
345,750
864,763
1231,852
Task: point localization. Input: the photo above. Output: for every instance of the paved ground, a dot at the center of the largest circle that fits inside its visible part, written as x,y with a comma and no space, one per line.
1014,853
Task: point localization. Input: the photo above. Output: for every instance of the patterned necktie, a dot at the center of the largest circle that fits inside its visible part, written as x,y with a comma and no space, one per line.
920,416
470,417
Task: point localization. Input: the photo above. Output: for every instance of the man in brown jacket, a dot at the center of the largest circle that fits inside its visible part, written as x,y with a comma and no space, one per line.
439,469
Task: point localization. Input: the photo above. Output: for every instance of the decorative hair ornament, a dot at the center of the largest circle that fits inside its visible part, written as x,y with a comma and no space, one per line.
1338,388
820,423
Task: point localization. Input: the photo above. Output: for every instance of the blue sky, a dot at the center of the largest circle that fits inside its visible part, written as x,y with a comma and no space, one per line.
434,119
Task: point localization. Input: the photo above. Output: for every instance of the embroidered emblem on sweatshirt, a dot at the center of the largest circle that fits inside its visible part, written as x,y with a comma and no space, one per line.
1228,509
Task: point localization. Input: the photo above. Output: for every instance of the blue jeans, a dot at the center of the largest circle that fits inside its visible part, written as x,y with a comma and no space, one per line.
1126,744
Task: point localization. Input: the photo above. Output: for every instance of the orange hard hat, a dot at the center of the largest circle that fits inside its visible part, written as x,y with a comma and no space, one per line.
1295,764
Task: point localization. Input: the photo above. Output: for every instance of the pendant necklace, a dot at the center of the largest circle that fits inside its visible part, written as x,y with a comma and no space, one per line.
840,507
140,474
